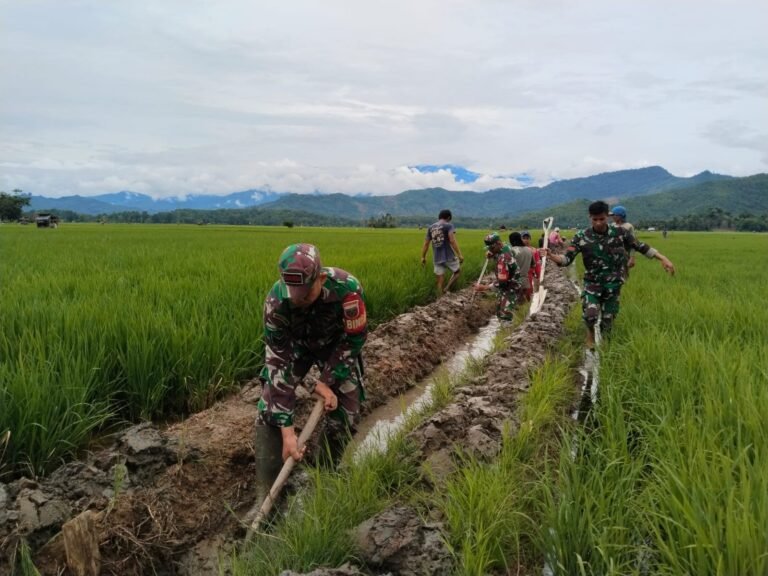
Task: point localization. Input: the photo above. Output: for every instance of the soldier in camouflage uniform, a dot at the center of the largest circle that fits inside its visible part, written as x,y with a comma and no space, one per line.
508,281
604,248
312,316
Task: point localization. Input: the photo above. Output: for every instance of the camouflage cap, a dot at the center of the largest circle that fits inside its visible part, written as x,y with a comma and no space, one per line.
299,265
491,239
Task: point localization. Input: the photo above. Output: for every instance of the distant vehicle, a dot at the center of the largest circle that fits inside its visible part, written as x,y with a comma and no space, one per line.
651,229
47,220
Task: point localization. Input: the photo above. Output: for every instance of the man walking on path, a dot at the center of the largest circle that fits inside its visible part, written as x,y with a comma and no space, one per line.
446,254
312,316
508,280
619,214
603,248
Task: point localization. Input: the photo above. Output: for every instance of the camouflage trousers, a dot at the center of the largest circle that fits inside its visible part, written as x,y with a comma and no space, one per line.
600,299
349,392
505,304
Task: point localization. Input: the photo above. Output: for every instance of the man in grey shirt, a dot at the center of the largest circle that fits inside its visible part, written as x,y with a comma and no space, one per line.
524,258
446,254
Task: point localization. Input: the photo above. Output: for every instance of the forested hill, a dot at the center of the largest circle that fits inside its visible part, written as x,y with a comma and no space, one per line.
497,202
735,196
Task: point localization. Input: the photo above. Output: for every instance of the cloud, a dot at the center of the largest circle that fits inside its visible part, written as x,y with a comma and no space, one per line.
179,97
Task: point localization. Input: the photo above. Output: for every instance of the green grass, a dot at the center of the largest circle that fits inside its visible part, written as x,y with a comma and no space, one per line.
104,323
673,476
492,508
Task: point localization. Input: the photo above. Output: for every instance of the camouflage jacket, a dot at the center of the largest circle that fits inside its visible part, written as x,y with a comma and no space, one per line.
604,254
507,271
631,229
332,330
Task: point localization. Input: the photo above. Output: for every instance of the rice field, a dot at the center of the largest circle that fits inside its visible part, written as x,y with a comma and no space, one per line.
103,324
671,472
671,475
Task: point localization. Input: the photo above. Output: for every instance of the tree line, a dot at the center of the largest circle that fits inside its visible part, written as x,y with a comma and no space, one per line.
713,219
12,209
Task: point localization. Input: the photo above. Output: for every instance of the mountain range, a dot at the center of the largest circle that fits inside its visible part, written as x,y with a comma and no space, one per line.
133,201
499,202
738,196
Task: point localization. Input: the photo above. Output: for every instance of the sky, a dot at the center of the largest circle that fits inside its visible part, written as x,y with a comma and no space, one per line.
177,97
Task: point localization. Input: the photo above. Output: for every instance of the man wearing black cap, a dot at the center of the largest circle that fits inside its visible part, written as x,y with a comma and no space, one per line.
312,316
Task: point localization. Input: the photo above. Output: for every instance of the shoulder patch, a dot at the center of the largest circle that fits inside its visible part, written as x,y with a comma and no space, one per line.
355,318
502,273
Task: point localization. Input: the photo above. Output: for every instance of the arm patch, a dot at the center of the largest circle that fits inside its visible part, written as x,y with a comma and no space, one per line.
502,272
355,318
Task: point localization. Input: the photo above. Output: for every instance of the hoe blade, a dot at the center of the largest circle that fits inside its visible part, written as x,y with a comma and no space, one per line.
537,301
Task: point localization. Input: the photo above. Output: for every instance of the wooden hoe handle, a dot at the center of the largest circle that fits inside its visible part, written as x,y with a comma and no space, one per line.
285,472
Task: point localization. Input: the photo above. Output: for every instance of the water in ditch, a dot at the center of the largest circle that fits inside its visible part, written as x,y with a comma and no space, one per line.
374,431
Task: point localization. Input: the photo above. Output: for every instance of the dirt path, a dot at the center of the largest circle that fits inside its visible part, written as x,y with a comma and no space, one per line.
156,493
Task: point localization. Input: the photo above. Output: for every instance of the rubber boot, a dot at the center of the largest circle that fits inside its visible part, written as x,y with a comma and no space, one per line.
268,448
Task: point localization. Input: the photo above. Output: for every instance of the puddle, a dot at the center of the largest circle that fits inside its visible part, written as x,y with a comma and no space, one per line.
375,430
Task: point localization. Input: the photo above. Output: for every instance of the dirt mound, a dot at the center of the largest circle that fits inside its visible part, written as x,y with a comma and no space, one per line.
479,412
155,493
397,540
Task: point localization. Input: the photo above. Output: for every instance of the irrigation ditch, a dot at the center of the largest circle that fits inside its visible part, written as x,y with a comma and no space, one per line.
165,500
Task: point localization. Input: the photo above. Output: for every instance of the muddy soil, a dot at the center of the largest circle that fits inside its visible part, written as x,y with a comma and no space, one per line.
157,493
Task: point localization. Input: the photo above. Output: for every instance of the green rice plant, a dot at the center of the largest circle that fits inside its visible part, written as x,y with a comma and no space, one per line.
484,523
672,477
104,323
26,565
492,508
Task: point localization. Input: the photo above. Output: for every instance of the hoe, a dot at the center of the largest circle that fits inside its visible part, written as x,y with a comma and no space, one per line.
285,472
538,298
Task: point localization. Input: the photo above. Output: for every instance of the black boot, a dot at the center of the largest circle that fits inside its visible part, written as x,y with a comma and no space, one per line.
268,448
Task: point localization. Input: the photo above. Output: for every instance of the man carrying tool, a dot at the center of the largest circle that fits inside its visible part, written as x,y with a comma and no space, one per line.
508,280
603,247
446,254
619,214
312,316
